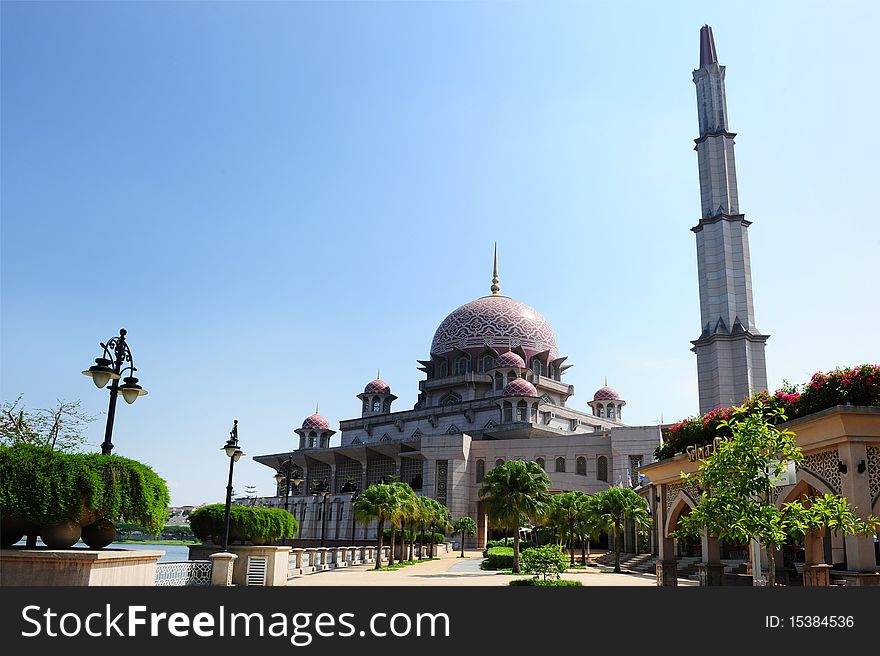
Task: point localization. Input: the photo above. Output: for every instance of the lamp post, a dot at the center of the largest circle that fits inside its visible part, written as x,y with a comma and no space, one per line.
234,453
354,497
288,480
110,366
321,490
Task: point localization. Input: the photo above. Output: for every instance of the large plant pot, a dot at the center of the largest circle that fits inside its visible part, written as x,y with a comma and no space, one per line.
99,534
12,530
258,541
60,536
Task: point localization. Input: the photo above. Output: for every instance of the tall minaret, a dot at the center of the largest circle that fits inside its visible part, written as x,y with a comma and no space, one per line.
730,350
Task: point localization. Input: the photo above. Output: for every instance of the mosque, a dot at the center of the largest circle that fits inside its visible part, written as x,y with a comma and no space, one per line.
493,391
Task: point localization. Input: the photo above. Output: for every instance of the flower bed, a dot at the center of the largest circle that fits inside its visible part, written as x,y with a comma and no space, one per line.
853,385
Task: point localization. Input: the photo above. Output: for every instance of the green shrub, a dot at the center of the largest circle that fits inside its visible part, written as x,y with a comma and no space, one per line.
43,486
245,523
552,583
543,561
498,558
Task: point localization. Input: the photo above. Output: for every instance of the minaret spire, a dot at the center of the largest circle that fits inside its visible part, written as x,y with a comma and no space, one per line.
707,47
730,349
496,289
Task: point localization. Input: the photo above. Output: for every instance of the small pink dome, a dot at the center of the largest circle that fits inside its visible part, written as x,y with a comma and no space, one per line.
520,387
377,387
316,422
510,359
606,394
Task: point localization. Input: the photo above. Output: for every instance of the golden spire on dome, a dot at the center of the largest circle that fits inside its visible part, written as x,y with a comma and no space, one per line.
495,288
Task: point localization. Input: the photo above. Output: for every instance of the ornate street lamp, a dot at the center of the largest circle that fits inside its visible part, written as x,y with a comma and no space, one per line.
235,454
322,489
110,366
288,479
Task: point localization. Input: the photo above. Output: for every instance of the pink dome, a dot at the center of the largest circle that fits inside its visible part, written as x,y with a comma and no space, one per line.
377,387
520,387
496,321
316,422
510,359
606,394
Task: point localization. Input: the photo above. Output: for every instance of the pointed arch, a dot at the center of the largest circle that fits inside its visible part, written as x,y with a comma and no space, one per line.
682,504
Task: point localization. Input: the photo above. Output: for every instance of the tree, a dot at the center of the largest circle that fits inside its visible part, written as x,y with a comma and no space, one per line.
513,492
377,502
541,561
403,496
588,526
737,480
612,507
566,508
60,427
465,526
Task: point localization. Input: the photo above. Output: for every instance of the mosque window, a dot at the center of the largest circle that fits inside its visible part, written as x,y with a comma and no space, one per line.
522,410
540,462
537,367
386,405
499,462
554,373
511,376
534,413
508,412
366,405
481,470
487,363
581,466
600,410
443,369
602,468
611,411
462,365
499,381
377,404
560,464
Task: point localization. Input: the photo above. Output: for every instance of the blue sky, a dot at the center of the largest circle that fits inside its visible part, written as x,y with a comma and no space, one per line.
276,199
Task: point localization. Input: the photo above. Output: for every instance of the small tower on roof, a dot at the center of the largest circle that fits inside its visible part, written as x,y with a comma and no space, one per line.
607,403
315,432
376,398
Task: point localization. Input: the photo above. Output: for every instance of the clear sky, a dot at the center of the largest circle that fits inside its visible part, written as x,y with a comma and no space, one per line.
278,199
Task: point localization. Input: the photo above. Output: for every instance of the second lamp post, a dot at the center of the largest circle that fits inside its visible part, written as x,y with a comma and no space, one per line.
235,454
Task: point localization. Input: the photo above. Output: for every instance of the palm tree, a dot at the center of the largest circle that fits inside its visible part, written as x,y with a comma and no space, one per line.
465,526
513,492
612,507
568,506
402,494
377,502
413,516
588,525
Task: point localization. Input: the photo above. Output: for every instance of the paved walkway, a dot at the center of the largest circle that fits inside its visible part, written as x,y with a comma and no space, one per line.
452,570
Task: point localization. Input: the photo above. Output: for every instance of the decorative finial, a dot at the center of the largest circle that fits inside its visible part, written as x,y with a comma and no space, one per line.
708,55
495,288
316,407
606,381
377,375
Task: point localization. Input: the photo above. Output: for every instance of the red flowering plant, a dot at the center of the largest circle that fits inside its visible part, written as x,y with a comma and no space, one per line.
854,386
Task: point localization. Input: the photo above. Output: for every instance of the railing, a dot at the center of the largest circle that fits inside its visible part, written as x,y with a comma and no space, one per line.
184,573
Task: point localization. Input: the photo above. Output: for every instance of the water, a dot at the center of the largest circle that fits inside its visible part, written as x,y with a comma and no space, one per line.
173,552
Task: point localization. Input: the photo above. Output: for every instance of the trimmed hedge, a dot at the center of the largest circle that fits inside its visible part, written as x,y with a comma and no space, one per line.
245,523
43,486
498,558
552,583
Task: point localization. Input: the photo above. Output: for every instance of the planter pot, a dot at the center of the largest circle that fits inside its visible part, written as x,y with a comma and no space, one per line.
13,530
99,534
258,541
60,536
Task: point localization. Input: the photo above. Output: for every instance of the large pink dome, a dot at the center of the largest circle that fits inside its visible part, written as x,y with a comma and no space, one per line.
606,394
496,321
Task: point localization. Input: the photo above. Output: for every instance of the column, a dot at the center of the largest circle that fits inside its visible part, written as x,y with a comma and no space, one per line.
711,570
854,486
221,569
816,571
667,565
